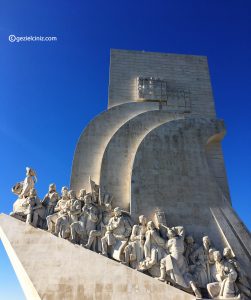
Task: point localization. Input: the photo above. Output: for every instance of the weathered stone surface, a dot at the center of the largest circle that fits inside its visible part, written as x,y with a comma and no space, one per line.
170,171
181,72
117,162
169,159
51,268
109,143
95,137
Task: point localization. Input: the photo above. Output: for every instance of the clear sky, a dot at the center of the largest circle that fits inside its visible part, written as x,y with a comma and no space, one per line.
49,91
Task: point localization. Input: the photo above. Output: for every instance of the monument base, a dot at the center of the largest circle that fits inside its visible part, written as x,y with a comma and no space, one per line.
51,268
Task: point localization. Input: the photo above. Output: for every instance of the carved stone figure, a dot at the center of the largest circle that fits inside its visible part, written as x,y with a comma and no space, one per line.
175,265
154,250
81,197
50,199
160,221
226,276
33,202
190,247
70,213
35,211
73,206
22,189
64,193
161,251
242,280
134,251
176,248
88,220
59,210
201,259
117,234
94,240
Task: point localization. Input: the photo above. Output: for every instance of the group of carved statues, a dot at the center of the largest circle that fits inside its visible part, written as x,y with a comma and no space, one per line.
150,247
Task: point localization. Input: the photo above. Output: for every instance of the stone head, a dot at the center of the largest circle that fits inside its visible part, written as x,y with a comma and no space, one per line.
227,252
160,216
52,187
72,194
217,256
117,211
142,220
88,199
64,193
82,193
211,254
189,240
206,242
64,189
150,225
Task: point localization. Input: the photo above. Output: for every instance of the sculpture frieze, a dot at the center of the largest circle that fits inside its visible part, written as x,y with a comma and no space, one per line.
163,252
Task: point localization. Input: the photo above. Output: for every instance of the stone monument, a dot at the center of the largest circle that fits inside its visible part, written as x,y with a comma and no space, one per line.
158,199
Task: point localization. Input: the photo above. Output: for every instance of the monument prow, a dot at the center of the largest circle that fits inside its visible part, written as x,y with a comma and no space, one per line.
51,268
148,189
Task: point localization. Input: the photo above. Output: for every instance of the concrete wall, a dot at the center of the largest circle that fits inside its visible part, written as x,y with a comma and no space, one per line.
117,162
171,172
185,72
94,139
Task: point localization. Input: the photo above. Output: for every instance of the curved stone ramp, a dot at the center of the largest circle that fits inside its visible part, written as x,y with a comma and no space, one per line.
95,137
51,268
118,158
170,172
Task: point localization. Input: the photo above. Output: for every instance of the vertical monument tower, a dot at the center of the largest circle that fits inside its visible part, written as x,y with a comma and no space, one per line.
158,146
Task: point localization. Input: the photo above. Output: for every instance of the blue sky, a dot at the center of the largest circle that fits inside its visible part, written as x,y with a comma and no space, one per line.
51,90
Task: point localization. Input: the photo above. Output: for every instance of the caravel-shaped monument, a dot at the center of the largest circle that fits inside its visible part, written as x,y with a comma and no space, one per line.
156,151
159,146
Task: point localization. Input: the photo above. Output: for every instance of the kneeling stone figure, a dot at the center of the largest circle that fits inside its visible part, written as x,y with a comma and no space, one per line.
226,276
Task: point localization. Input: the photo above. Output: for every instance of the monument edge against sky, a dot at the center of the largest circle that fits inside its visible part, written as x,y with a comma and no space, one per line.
117,147
189,94
158,198
188,81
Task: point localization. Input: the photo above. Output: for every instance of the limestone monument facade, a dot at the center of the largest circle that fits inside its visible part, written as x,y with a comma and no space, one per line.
148,192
